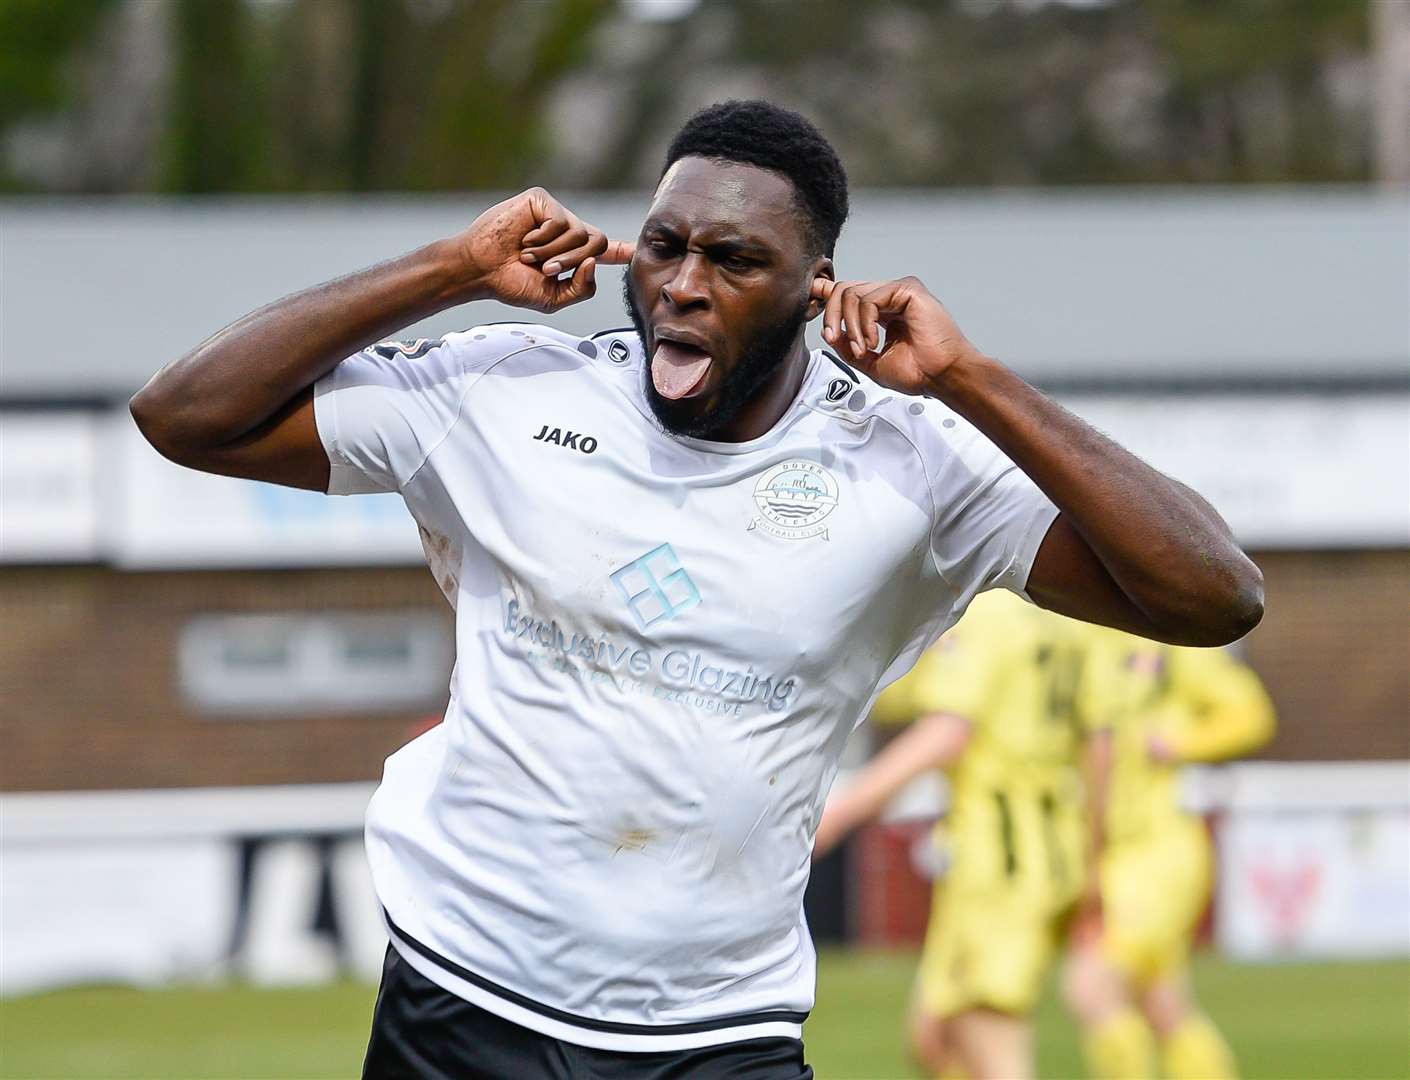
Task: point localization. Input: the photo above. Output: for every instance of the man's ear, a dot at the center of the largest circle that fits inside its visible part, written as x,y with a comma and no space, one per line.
822,268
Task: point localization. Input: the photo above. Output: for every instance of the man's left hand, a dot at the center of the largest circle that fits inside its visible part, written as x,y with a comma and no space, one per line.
921,341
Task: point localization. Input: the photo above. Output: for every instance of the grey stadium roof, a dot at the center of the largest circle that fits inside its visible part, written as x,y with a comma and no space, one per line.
1121,286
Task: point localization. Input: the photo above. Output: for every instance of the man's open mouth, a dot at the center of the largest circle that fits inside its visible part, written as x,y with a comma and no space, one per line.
678,369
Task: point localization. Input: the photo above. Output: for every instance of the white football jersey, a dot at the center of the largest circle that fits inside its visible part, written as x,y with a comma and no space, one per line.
662,644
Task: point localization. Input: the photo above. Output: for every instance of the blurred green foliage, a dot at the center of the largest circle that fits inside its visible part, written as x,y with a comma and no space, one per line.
361,95
39,38
219,122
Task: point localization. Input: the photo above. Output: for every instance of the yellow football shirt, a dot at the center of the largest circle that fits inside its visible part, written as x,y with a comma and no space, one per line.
1202,703
1013,671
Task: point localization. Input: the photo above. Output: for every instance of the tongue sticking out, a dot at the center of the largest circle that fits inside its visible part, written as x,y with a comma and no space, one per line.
677,370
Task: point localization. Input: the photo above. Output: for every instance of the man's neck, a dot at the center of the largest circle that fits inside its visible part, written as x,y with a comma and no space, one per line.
774,398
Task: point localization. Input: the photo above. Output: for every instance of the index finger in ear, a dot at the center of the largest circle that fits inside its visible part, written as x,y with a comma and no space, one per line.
821,288
617,253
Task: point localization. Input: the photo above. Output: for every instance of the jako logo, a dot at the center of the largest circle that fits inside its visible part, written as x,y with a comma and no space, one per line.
656,586
573,440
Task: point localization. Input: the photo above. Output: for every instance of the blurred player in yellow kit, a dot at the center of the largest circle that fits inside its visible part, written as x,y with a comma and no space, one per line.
996,704
1126,976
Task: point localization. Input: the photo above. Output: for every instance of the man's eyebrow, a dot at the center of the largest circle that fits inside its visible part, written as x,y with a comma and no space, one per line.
739,243
724,241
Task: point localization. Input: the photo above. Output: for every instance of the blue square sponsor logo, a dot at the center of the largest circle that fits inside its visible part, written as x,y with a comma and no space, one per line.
656,586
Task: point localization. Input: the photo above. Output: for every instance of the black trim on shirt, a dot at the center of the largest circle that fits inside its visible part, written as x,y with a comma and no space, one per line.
740,1020
836,360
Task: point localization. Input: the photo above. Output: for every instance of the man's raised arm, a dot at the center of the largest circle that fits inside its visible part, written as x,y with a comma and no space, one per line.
1131,547
241,402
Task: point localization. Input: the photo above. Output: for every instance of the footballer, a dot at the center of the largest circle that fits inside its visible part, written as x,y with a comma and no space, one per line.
999,705
596,864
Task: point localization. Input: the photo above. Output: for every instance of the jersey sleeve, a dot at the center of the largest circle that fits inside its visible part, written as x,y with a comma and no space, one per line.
990,518
1229,713
381,412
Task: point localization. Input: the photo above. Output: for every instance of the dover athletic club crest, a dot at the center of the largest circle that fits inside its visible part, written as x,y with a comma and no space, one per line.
794,499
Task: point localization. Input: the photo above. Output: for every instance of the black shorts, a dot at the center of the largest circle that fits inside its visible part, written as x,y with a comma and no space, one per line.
421,1032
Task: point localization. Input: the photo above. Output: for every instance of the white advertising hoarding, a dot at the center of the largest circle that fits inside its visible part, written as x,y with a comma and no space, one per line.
1286,471
1315,883
147,887
174,517
1314,860
144,886
48,486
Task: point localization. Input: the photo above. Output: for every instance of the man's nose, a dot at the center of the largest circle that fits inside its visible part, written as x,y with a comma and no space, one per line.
689,285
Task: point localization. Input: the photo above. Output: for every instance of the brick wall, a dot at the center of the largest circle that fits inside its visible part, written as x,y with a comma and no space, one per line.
90,695
89,682
1334,651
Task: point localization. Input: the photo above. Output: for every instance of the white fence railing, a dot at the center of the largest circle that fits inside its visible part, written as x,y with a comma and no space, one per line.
271,884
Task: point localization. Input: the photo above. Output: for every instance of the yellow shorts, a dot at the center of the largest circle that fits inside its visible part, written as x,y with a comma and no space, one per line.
987,948
1154,890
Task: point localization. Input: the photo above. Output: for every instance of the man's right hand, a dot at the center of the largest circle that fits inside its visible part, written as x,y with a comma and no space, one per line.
241,402
516,251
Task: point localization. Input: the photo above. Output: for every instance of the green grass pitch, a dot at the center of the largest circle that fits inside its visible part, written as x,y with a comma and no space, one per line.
1350,1021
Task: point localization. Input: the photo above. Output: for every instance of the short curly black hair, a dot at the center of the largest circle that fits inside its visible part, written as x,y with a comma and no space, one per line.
763,134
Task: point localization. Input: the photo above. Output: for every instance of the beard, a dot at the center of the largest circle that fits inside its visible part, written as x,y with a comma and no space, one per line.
760,359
